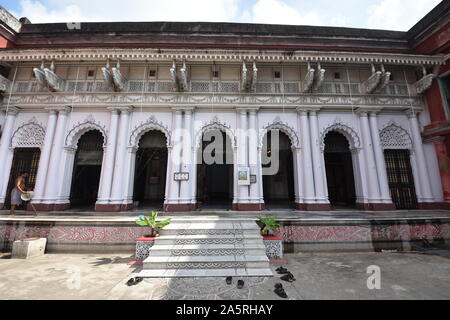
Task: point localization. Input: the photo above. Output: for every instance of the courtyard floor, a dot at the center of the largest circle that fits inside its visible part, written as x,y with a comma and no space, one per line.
319,276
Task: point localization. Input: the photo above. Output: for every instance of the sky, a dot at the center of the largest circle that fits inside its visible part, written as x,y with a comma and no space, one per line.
398,15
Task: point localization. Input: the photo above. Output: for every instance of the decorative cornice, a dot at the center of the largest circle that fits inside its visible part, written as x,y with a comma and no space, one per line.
232,55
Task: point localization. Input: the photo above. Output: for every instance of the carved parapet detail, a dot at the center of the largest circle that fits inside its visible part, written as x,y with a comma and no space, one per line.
371,84
248,83
184,83
318,77
254,78
39,74
4,84
424,83
309,79
119,79
243,77
54,82
377,81
108,77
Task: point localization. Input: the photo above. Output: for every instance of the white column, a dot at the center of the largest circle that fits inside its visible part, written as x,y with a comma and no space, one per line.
109,154
319,179
64,181
187,157
253,156
298,176
420,159
45,157
168,175
242,152
379,159
118,188
308,176
7,166
130,163
259,177
55,172
174,159
4,146
416,177
372,177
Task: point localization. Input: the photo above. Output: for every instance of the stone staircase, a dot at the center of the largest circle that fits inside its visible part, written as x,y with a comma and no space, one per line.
204,247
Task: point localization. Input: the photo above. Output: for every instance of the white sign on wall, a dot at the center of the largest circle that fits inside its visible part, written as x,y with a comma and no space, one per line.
181,176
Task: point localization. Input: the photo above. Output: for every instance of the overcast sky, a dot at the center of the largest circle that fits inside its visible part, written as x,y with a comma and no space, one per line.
374,14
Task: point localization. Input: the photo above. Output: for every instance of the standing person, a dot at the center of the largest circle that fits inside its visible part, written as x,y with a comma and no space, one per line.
16,192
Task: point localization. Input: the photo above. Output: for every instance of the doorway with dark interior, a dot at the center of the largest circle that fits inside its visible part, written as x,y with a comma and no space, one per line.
24,160
86,171
278,188
215,171
400,178
150,171
339,171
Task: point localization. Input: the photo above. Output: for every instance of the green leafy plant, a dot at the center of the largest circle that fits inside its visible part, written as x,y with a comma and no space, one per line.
267,224
152,223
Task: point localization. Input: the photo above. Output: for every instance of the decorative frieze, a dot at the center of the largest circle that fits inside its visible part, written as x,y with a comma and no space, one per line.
130,54
217,99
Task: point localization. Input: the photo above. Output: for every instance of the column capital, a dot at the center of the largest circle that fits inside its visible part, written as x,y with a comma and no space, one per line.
125,109
183,108
371,111
11,110
302,111
412,112
114,110
312,110
70,149
61,109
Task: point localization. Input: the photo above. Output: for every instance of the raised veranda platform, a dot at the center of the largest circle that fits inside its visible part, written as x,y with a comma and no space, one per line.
301,231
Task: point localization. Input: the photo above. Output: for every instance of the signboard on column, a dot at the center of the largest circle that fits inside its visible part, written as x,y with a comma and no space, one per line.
244,176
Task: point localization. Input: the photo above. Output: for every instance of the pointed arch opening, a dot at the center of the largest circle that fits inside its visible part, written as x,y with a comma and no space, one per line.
339,170
278,170
150,172
215,169
87,168
26,142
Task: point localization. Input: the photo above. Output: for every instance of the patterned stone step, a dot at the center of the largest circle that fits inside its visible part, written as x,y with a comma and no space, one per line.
206,262
208,239
180,273
232,232
207,249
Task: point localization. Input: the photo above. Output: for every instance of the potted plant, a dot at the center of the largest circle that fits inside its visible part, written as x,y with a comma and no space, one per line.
273,244
151,222
267,225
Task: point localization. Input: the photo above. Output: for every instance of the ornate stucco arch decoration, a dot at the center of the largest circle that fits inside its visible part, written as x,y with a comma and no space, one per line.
347,131
277,124
29,135
143,127
393,136
215,124
81,128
